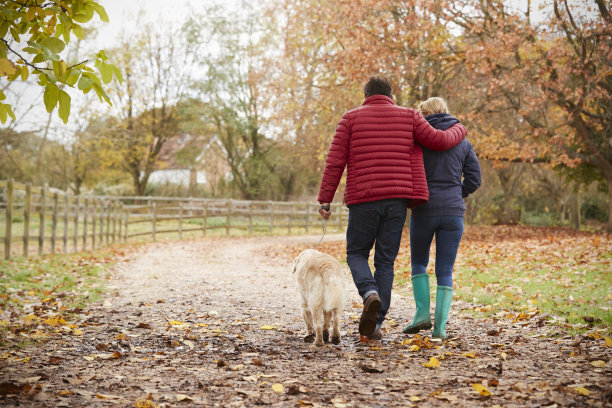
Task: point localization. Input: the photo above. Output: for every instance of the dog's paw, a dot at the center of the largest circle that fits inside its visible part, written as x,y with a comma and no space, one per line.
335,340
325,336
309,339
319,343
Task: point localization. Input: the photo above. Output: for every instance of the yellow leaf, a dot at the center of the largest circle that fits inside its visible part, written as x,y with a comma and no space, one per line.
582,390
470,355
266,327
25,360
183,397
278,388
63,393
29,319
77,332
4,323
433,363
598,363
414,398
175,323
414,347
7,67
482,390
54,321
504,355
608,342
88,358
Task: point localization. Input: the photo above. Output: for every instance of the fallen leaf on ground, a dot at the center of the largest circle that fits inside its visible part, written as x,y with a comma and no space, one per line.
598,363
278,388
183,397
482,390
433,363
266,327
582,390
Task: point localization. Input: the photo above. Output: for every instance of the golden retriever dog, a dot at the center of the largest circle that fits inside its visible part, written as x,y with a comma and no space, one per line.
321,287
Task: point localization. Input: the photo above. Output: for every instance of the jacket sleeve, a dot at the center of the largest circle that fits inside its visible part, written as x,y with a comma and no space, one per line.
471,173
434,139
335,163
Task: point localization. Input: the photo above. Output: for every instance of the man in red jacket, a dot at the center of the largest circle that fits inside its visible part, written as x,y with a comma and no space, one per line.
380,144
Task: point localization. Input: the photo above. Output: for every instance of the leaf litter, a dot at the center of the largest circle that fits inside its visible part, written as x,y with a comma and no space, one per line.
250,351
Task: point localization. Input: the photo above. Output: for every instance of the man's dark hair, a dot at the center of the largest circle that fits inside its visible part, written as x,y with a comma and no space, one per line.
377,85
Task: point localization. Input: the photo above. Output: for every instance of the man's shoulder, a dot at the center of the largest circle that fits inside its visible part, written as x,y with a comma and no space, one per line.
389,108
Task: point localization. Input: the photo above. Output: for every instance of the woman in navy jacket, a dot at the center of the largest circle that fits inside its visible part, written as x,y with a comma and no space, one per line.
441,216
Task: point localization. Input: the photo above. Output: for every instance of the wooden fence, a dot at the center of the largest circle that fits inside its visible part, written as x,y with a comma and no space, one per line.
40,220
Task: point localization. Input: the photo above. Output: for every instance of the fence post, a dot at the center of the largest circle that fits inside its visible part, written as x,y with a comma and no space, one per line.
290,218
85,210
75,236
250,218
9,220
204,218
114,233
228,219
65,238
101,232
109,207
180,220
306,224
54,223
26,220
271,215
126,215
153,219
121,210
41,230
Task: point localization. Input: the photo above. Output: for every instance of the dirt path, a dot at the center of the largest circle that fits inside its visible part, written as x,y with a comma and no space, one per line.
216,323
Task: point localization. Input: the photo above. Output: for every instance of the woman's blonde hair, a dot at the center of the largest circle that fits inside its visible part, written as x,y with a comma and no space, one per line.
433,105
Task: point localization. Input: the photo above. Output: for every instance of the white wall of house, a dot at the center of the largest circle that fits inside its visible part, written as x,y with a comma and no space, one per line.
175,176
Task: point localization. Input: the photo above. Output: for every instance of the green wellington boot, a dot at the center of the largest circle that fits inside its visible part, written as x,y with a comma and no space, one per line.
420,289
444,296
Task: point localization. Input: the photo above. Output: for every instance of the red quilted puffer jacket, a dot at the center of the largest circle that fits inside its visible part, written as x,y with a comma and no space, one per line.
380,143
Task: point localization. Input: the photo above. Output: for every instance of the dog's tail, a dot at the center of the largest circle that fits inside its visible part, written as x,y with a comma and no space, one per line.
334,298
316,293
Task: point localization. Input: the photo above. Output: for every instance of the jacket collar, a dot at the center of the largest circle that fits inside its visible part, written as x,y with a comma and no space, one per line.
378,100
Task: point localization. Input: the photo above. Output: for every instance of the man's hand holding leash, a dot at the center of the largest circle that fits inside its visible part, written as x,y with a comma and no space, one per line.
325,210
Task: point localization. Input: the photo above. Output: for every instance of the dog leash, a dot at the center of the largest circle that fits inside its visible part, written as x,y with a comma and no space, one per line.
324,229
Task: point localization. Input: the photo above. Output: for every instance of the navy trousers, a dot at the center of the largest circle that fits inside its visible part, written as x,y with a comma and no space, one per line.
379,224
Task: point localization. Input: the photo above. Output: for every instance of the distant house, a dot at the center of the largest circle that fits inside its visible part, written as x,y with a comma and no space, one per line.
183,177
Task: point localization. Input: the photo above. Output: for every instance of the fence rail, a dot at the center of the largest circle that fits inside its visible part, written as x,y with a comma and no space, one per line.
58,221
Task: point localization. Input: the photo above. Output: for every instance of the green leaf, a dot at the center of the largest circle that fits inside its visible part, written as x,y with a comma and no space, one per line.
101,12
25,73
81,18
64,106
117,73
55,45
78,31
58,69
85,84
3,113
72,76
9,109
50,96
106,72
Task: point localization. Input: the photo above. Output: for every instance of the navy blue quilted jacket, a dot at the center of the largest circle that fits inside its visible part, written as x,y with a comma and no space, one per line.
444,171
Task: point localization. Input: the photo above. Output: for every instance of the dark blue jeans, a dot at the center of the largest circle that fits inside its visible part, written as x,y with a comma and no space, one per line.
380,223
448,231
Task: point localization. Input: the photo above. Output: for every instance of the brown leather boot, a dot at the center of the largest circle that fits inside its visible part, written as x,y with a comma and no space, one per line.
369,314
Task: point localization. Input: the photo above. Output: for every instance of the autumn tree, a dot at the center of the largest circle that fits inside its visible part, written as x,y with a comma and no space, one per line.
157,66
34,34
553,74
232,95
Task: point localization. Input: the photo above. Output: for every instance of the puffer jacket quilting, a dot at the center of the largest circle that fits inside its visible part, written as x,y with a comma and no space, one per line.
380,145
